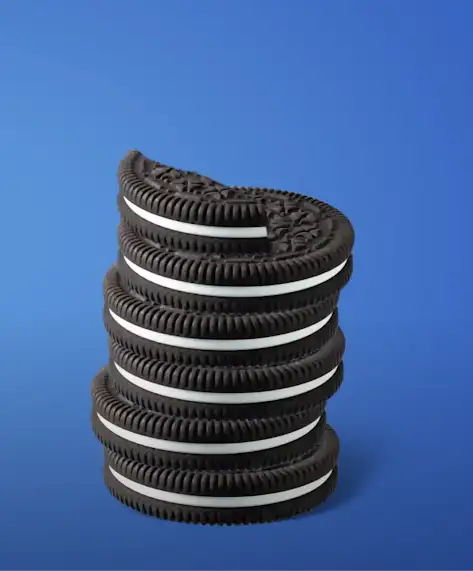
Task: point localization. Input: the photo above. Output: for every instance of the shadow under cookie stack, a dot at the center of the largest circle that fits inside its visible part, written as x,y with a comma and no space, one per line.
224,347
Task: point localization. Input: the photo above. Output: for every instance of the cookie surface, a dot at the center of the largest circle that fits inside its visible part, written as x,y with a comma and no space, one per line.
189,198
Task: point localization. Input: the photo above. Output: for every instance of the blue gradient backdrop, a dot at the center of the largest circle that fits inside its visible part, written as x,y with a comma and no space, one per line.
365,104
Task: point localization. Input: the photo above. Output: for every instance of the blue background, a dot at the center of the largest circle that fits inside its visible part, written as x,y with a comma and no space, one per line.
365,104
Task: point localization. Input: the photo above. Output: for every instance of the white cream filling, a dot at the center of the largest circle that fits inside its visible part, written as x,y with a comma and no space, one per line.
234,291
208,448
198,229
225,398
220,344
221,502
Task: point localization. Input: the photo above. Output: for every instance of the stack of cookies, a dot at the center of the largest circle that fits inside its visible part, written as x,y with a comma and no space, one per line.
224,348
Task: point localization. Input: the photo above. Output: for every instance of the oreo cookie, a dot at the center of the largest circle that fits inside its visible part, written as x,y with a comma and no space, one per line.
175,402
265,377
187,203
228,392
227,497
188,234
245,283
144,284
199,336
221,352
215,444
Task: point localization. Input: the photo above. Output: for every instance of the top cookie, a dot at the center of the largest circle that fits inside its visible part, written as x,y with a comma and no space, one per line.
175,219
